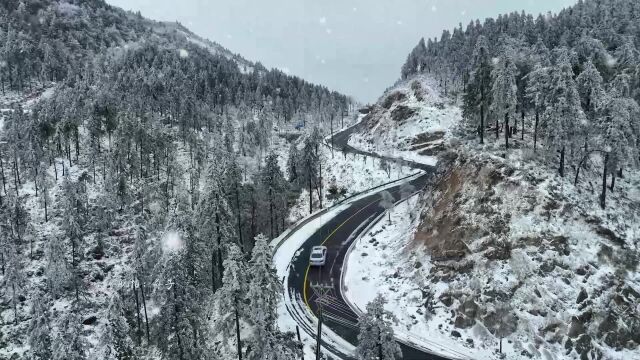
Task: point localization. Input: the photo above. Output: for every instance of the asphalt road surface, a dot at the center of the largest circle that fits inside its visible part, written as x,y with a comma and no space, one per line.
337,235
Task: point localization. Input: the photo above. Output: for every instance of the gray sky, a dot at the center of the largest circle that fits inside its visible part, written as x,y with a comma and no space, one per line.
353,46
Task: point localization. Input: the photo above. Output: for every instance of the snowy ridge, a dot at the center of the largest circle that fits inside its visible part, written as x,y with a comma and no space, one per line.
411,120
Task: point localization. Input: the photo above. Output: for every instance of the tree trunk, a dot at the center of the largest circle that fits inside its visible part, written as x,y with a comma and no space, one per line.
239,343
46,214
4,183
320,183
139,328
271,210
319,335
535,130
16,177
219,250
310,194
239,218
522,127
562,162
603,195
15,304
506,130
481,131
77,136
35,180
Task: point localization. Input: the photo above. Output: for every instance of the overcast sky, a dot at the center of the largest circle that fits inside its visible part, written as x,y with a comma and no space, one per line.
354,46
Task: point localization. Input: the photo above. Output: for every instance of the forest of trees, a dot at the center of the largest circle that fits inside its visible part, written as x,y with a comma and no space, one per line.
569,82
151,164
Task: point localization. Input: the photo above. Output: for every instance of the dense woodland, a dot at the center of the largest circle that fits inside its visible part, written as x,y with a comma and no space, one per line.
570,81
135,192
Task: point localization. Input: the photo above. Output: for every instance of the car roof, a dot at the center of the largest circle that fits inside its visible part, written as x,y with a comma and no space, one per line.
318,248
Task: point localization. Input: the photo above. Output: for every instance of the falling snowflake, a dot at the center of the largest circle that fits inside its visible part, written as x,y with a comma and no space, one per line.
434,8
171,242
329,31
399,22
183,53
323,20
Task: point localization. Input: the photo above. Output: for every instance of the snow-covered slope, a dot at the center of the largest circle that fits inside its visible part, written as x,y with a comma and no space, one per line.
244,65
501,245
410,121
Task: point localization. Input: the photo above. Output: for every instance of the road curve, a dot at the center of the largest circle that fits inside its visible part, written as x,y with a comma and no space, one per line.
337,235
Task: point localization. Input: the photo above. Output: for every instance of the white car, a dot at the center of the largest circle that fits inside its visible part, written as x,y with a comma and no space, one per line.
318,256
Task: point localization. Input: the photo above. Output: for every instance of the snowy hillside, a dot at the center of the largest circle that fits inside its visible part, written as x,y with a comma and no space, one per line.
142,174
527,242
411,121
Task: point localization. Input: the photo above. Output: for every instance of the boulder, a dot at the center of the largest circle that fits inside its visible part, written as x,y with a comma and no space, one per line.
90,320
582,296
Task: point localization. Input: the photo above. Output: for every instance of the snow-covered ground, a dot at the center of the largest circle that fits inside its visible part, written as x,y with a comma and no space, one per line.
379,262
349,173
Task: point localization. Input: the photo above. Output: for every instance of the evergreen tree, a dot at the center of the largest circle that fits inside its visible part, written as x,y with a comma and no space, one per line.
13,276
504,93
40,330
69,343
115,339
230,297
590,87
264,293
275,187
478,91
563,119
376,338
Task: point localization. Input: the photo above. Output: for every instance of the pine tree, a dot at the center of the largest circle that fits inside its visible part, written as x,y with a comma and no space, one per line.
264,293
14,276
69,343
478,90
116,339
230,297
590,87
504,93
214,222
563,118
376,337
292,163
40,329
309,169
274,186
72,224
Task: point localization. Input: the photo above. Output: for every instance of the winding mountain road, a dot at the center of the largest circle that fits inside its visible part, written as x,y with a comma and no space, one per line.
337,235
